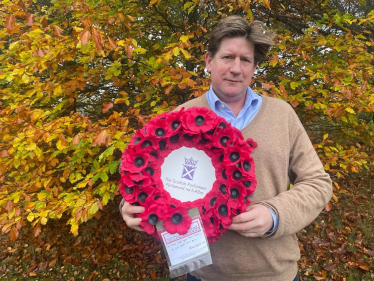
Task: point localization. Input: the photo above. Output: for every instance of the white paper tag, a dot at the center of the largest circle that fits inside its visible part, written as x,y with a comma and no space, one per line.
188,252
181,248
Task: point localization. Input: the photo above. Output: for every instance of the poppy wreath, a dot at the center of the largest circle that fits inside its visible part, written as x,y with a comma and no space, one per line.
197,127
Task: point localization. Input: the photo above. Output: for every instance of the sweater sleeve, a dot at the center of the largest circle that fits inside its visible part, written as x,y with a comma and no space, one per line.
311,186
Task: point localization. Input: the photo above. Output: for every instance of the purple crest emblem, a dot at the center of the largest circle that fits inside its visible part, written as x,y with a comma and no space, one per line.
189,168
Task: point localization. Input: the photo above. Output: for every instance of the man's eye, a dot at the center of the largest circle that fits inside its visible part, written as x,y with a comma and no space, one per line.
227,58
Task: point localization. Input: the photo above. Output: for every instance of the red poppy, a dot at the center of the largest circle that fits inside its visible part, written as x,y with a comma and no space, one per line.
237,193
154,211
211,224
177,220
136,138
173,120
135,161
128,193
158,128
131,179
223,138
199,120
222,211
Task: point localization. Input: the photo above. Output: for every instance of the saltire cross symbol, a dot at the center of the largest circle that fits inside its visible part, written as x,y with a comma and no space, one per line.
188,172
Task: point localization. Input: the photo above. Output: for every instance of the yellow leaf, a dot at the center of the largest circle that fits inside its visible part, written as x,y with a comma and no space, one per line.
16,163
25,78
74,229
59,145
186,54
43,220
176,51
57,90
152,3
30,217
9,78
350,110
42,196
184,38
31,146
325,136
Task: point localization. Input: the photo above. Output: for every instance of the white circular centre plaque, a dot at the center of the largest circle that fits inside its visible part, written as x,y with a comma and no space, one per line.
188,174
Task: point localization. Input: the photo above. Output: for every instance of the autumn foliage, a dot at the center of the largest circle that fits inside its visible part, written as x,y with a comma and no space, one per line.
77,78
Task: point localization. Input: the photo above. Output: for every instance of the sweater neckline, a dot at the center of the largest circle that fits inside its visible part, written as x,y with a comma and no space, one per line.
254,121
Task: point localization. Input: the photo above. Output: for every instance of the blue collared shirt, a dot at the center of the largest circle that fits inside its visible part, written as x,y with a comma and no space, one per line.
251,107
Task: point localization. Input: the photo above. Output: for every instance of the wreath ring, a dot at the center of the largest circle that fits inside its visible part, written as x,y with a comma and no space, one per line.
200,128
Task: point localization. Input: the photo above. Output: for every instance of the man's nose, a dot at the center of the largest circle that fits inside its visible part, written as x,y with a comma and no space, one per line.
236,66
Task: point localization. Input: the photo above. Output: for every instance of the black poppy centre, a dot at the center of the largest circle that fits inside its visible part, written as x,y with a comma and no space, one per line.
176,218
153,219
139,161
199,120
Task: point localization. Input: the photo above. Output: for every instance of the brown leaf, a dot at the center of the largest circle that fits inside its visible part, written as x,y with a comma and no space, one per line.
100,138
3,153
37,231
97,39
168,89
76,140
9,206
10,22
141,120
112,43
86,36
328,207
363,266
330,266
13,233
30,20
58,30
52,263
107,106
153,274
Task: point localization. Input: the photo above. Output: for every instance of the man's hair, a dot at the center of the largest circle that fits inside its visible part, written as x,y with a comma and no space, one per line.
236,26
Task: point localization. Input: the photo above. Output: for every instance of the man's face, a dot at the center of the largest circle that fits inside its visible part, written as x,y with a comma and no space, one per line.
231,68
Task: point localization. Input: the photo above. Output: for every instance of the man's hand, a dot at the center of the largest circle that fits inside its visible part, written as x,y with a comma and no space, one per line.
255,222
128,212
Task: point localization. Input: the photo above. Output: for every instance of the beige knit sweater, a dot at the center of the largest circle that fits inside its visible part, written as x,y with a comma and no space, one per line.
284,155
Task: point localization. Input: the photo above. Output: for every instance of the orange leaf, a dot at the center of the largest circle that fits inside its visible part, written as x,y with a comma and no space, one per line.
141,120
107,106
328,207
97,39
3,153
76,140
52,263
86,36
128,51
13,233
37,231
168,89
30,20
153,274
57,30
363,266
101,138
294,103
112,43
10,22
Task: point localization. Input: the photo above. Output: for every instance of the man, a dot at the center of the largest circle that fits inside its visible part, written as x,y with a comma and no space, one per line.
261,243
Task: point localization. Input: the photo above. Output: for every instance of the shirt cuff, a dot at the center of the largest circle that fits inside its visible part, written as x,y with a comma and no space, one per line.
275,222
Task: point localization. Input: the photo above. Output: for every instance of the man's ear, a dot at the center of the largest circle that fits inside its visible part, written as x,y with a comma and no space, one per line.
208,60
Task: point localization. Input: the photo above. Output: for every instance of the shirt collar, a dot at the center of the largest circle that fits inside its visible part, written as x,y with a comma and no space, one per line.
251,99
